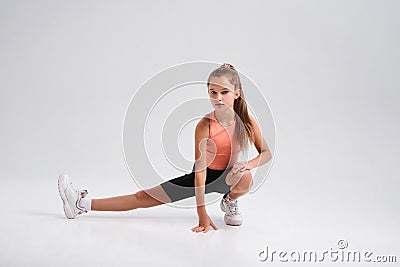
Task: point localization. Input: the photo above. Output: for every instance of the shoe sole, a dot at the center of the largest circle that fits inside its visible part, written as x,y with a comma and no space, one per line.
66,206
231,224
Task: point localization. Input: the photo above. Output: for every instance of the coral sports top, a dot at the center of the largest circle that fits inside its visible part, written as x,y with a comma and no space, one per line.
222,147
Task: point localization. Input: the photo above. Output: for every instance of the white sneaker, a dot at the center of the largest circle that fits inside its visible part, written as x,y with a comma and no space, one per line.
231,209
71,197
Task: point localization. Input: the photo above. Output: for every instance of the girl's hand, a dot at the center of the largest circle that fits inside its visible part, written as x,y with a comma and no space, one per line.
204,224
239,166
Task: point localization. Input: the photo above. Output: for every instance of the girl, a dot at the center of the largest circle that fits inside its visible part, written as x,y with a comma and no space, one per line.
219,137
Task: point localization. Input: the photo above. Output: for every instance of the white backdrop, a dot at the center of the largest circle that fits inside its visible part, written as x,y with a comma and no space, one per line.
329,70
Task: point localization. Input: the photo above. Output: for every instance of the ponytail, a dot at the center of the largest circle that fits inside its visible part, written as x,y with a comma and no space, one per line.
244,129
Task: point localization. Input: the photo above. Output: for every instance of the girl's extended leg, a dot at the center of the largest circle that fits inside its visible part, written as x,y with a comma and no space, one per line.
142,199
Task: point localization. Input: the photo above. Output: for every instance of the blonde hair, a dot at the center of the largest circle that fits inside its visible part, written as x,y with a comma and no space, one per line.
244,130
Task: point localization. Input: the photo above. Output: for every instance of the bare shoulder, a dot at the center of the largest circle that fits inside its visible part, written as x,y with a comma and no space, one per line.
203,124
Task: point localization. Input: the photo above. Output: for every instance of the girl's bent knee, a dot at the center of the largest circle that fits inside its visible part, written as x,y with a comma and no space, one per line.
238,177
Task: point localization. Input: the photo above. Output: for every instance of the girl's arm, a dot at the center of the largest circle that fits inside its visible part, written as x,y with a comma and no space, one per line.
201,136
199,183
265,154
200,140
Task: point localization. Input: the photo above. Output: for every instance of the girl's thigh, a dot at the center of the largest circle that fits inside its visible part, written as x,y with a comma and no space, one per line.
183,186
216,181
180,187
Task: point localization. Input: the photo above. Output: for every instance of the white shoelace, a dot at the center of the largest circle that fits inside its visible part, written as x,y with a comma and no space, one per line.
232,206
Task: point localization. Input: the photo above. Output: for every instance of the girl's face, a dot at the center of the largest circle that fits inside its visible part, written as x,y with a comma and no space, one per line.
222,94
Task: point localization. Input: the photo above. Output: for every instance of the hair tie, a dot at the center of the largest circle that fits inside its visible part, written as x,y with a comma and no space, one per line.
228,66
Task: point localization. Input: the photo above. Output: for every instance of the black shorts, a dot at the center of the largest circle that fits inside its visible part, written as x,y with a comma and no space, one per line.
183,186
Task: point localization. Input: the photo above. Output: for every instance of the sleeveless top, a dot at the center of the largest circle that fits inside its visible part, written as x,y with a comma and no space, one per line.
222,147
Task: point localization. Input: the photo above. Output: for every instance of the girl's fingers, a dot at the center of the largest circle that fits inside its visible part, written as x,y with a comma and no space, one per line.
236,169
204,229
195,228
198,229
213,226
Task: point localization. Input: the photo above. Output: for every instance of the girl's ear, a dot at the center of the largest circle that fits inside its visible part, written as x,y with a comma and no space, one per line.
237,93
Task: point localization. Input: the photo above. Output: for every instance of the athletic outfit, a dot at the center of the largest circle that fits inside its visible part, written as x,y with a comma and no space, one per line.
222,152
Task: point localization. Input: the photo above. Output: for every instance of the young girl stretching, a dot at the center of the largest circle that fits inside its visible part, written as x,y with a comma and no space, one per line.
219,137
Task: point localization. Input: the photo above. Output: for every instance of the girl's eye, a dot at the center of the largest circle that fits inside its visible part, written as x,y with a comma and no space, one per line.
224,92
